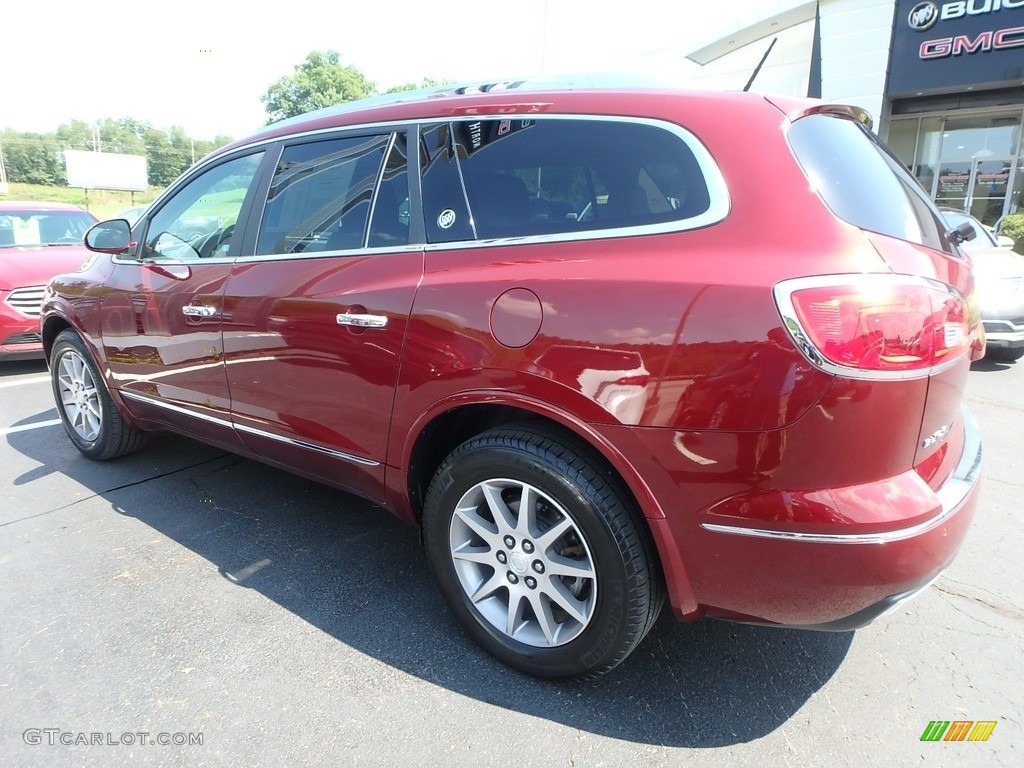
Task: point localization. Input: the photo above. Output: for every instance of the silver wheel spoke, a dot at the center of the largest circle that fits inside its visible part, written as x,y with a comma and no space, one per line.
563,566
476,524
542,610
474,555
516,607
527,504
551,536
558,593
488,588
503,516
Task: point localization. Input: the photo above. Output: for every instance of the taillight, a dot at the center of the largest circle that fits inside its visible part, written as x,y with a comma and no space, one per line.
876,326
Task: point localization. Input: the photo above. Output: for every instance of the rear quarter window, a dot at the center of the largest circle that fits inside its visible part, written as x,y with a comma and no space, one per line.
527,177
863,183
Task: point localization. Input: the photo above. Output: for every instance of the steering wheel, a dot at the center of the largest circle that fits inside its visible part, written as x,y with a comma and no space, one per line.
207,247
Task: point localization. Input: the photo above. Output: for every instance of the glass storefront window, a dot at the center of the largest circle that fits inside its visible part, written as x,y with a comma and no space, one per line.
971,163
980,137
902,140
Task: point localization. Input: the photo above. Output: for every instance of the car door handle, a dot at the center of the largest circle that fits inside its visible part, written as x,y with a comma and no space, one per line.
363,321
198,310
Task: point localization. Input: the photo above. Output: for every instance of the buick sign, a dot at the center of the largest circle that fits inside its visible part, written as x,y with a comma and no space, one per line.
923,16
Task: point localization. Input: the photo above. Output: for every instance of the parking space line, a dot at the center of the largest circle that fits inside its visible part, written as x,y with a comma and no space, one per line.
27,427
32,380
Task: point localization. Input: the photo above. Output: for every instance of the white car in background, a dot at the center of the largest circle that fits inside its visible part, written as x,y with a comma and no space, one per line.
999,277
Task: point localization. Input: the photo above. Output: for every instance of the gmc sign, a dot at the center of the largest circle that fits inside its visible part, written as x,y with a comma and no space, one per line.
944,47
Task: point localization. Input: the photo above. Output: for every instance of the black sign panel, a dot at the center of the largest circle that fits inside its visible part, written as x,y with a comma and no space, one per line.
945,46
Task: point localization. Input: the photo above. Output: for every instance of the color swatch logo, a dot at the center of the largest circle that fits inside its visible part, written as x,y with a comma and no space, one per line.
958,730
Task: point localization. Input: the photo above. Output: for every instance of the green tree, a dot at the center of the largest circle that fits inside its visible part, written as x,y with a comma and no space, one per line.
122,136
76,134
320,81
428,82
33,158
165,162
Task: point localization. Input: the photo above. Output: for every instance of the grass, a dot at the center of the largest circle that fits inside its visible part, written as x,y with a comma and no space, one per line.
101,203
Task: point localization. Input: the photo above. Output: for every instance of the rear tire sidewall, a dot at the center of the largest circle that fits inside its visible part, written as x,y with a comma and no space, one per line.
598,645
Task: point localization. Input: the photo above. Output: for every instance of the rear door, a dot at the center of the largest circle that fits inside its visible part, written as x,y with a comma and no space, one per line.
316,311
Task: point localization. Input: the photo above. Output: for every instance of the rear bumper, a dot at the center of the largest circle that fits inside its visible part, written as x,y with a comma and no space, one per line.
1006,331
836,579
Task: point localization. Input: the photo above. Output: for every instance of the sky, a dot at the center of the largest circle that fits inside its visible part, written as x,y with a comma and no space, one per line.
204,65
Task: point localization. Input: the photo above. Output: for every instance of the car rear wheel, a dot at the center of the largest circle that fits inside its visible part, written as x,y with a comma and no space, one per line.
86,410
541,555
1004,354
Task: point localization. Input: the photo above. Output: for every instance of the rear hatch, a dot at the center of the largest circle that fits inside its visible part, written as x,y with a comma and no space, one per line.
919,320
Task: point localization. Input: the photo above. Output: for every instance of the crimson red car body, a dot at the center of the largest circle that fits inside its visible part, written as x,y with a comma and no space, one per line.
772,480
28,259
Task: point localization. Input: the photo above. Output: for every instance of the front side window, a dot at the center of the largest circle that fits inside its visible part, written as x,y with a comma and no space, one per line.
321,194
199,220
527,177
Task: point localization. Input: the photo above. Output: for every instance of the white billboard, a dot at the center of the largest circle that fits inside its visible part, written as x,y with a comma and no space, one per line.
105,170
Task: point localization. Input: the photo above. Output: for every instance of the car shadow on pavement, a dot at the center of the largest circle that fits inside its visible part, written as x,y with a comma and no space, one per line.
360,575
987,364
13,368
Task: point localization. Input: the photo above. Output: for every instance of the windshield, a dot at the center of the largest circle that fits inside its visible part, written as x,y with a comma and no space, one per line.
34,228
982,238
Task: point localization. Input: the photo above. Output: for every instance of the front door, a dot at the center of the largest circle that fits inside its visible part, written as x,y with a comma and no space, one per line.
162,315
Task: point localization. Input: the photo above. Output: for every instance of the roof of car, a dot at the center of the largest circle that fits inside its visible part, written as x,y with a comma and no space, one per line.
38,205
520,97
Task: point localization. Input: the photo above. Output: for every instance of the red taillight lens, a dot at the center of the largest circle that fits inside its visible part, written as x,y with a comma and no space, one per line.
876,325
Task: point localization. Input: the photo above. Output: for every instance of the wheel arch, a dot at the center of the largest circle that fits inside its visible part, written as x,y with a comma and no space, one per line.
52,326
436,434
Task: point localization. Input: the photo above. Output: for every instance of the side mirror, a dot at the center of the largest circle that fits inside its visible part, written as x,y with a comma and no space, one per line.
965,232
114,236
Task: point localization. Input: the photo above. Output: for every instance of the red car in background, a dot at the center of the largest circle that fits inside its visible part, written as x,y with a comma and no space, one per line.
37,241
602,347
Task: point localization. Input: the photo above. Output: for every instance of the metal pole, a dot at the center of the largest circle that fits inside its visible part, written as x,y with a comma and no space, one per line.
3,172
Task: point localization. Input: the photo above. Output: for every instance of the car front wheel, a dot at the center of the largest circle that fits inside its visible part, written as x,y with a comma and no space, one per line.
86,410
540,554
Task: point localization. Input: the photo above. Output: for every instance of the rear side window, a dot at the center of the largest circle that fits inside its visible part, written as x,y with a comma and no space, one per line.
863,183
320,196
523,177
445,212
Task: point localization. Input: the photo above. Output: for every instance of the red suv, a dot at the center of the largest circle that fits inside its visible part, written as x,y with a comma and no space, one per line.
602,347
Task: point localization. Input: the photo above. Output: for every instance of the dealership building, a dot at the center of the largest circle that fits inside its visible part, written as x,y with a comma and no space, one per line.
944,82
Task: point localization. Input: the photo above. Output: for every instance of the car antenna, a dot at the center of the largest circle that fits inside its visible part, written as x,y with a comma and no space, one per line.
757,69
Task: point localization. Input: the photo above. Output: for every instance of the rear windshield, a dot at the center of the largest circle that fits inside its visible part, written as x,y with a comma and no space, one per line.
863,183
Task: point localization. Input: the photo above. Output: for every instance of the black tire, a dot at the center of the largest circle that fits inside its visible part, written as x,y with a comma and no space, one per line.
86,410
1004,354
577,582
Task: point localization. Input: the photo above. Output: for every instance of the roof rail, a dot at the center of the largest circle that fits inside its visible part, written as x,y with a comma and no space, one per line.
581,81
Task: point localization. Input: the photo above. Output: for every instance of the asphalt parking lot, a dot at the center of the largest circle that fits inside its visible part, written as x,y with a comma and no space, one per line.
183,606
